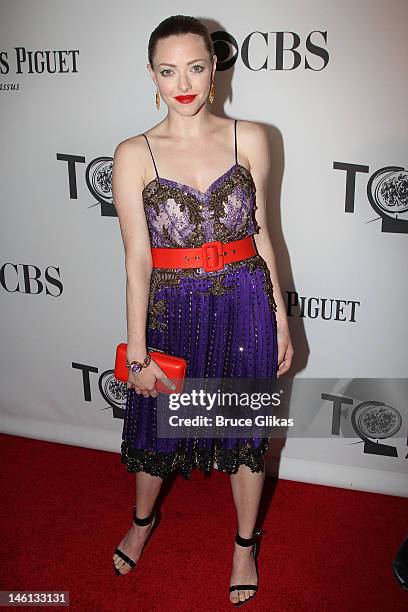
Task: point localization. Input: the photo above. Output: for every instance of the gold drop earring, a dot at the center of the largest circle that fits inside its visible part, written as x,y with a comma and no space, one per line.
157,99
211,94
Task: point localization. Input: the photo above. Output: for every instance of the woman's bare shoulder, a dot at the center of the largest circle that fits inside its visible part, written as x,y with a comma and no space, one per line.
137,145
132,156
132,145
251,130
253,143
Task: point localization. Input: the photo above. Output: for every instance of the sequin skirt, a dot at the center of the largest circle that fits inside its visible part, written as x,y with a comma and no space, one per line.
224,324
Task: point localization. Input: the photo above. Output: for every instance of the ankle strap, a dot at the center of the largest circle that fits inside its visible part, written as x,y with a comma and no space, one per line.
143,521
248,541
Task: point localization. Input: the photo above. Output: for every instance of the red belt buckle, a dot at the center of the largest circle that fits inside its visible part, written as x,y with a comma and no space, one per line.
212,250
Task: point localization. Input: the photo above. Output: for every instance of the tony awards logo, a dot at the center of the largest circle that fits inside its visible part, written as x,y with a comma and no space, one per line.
99,181
387,192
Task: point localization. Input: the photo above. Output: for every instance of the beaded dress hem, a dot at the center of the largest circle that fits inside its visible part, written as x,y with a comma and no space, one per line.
181,461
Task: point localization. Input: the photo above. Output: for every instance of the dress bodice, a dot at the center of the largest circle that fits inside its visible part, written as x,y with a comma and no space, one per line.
179,215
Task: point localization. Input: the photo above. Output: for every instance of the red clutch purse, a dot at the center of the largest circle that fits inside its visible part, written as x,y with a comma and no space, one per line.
174,367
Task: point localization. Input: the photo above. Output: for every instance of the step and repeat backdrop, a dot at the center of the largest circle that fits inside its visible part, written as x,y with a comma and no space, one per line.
327,80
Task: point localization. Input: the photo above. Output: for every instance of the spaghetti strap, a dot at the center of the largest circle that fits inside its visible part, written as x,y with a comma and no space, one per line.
154,163
235,133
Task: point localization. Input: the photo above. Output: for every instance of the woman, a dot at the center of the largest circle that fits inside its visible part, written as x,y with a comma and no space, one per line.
226,321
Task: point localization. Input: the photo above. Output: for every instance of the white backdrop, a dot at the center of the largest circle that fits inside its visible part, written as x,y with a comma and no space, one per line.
340,114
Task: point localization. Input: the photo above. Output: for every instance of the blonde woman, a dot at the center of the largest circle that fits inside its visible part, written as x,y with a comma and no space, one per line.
196,178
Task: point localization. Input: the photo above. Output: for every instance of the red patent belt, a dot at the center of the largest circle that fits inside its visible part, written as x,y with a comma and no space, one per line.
211,255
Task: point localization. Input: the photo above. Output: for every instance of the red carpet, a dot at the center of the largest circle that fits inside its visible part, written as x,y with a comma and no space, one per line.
66,508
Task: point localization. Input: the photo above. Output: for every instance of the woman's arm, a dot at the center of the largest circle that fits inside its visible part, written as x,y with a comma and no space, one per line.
127,186
255,144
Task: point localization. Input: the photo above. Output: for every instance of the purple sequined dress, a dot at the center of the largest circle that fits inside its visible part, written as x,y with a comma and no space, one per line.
223,322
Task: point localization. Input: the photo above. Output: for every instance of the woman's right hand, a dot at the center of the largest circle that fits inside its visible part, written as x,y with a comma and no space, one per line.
144,381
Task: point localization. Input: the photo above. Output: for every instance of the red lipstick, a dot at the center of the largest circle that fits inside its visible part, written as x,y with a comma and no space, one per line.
185,99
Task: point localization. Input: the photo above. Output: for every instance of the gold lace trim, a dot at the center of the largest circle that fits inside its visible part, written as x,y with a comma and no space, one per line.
162,464
155,194
172,277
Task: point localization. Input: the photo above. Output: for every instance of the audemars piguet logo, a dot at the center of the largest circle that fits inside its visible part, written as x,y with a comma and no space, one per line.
325,308
28,61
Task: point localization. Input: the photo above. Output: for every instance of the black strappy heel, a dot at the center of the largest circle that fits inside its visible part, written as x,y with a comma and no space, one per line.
247,587
142,522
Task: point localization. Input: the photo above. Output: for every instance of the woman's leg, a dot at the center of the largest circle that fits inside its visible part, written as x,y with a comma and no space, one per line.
147,490
247,489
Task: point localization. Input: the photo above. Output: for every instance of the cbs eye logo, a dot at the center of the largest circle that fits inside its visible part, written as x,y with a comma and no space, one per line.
224,45
277,50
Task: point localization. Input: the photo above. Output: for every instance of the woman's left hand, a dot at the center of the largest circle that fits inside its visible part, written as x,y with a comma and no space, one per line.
285,347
